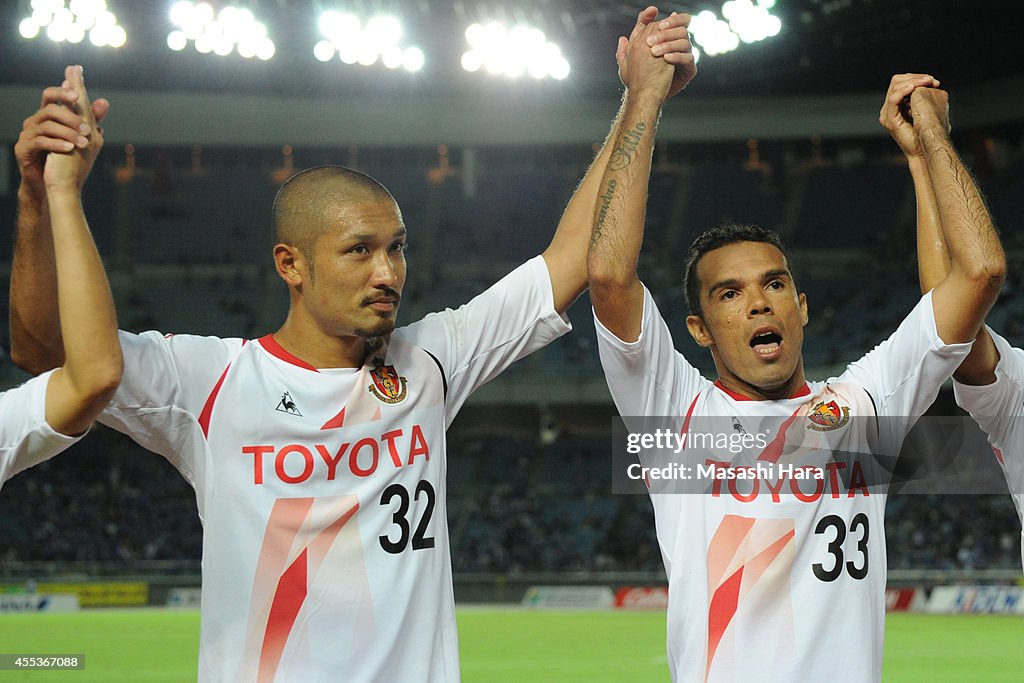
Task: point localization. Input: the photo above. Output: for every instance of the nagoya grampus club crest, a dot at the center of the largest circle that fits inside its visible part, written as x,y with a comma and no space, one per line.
387,385
828,416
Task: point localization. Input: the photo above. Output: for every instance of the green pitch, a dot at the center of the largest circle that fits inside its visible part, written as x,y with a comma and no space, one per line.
505,645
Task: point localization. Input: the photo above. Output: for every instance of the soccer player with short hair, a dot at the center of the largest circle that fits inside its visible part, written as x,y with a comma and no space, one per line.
318,452
786,584
989,384
51,412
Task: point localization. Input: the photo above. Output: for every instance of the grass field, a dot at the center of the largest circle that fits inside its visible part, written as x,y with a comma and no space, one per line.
507,645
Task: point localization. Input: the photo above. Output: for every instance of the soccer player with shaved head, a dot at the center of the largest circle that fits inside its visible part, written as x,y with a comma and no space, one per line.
989,384
317,452
778,580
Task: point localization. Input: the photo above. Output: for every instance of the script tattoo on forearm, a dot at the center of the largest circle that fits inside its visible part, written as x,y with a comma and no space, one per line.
625,151
602,213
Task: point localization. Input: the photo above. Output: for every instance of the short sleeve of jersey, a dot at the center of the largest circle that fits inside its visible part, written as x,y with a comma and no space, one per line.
904,373
477,341
26,439
166,382
997,409
648,376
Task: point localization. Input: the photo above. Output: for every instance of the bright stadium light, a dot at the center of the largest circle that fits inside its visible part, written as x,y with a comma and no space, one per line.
181,13
472,60
475,35
368,54
413,59
744,21
377,39
324,51
219,32
511,53
71,22
384,30
177,41
28,28
392,57
266,50
713,34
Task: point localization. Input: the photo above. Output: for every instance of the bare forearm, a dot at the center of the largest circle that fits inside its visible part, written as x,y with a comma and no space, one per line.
87,318
618,219
932,256
36,343
618,224
970,236
977,264
566,256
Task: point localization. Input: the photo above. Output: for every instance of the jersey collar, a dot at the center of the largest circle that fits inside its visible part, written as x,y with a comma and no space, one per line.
271,346
805,390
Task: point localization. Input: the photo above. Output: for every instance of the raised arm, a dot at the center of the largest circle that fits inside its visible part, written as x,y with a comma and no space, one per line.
618,222
78,391
933,262
34,325
932,257
566,256
977,264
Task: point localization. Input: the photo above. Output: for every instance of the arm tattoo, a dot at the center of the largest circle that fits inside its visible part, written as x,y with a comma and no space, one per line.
602,214
624,152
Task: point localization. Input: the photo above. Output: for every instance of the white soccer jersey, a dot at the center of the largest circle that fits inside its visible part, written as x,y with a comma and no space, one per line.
322,492
788,584
26,439
999,410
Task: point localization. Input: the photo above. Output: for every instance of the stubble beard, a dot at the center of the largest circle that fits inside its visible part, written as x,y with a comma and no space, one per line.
374,338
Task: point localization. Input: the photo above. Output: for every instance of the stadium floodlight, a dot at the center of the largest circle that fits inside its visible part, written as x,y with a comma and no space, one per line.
472,60
28,28
751,23
177,41
713,34
266,50
501,51
413,59
219,32
377,39
324,51
71,22
744,21
392,57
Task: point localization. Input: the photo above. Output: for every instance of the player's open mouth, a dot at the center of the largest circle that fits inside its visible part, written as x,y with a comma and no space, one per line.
767,343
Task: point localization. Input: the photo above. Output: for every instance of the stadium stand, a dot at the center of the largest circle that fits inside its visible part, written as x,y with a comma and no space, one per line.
189,252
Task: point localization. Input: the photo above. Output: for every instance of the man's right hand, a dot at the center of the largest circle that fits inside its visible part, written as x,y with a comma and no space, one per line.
930,107
54,127
895,111
668,40
69,170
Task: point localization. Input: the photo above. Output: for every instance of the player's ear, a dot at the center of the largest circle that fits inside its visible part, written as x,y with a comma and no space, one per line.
290,264
803,308
699,331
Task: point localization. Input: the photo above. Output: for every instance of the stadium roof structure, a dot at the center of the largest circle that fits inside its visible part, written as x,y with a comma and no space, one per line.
823,74
824,47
